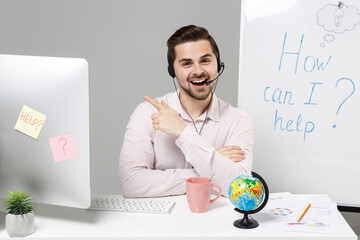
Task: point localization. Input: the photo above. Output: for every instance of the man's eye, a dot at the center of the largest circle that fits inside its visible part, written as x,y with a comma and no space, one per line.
205,60
185,64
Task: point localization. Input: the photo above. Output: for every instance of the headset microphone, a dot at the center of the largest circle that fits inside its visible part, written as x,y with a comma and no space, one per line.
222,66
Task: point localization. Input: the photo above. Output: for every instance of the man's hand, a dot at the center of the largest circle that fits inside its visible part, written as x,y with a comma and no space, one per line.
166,119
234,153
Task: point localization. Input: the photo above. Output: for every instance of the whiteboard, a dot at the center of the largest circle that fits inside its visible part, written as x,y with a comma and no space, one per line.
299,79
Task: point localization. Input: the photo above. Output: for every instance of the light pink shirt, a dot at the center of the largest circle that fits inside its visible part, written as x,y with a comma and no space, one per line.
153,163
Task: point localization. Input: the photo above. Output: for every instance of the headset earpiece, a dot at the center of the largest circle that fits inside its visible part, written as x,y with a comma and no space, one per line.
220,64
170,66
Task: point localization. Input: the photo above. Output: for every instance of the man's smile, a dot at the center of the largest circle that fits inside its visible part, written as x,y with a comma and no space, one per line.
199,82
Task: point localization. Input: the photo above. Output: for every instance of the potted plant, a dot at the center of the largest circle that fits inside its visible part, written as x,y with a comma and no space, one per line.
19,214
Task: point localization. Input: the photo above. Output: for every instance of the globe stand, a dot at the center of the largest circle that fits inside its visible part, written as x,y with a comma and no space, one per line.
245,222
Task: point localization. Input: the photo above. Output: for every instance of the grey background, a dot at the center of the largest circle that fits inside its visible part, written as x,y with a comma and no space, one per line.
125,45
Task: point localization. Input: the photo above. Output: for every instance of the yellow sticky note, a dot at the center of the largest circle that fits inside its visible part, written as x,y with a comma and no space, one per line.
30,122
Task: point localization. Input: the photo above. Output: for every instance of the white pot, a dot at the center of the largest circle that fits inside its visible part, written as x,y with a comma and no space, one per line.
20,226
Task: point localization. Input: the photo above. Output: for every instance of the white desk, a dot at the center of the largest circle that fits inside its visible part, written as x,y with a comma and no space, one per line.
217,223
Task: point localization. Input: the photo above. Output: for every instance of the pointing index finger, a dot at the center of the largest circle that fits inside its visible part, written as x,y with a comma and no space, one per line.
153,102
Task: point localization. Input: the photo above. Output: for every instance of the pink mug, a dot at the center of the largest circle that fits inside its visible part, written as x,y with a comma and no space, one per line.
198,191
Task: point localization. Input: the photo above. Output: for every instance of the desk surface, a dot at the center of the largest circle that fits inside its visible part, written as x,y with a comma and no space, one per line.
217,223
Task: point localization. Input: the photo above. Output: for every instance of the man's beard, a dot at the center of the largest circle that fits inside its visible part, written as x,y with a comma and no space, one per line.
198,95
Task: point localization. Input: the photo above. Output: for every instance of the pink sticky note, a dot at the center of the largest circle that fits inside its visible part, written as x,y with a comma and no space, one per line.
64,147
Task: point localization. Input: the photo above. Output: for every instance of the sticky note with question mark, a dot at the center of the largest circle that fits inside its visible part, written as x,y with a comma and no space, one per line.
64,147
30,122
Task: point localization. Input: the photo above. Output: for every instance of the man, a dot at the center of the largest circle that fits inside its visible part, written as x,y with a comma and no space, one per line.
189,132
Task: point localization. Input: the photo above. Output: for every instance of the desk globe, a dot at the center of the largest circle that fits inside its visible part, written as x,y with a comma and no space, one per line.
249,194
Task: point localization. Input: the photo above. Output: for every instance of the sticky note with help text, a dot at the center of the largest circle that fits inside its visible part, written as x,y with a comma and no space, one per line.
30,122
64,147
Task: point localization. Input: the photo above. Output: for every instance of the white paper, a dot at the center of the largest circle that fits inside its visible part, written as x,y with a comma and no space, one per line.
283,211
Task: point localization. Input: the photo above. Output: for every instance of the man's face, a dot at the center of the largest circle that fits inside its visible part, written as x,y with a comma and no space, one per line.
195,64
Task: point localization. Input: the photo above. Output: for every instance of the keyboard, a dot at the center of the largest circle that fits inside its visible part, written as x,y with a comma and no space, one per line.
121,204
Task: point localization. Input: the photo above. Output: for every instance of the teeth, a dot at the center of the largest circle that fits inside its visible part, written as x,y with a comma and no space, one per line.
199,81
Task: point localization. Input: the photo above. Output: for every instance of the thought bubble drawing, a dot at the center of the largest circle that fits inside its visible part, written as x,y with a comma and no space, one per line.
329,38
338,18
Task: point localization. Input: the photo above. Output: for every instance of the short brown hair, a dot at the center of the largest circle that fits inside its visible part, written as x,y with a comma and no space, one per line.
190,33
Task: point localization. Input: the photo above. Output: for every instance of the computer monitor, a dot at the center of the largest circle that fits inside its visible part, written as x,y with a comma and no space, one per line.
59,89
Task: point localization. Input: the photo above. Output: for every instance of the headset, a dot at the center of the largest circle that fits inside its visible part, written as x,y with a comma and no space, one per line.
220,65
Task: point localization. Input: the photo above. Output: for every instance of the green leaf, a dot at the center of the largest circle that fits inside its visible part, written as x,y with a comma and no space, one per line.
19,203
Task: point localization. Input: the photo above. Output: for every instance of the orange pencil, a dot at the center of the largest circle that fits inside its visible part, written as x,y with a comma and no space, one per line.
303,214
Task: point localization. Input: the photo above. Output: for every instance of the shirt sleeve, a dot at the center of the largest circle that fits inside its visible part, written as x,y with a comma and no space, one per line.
209,163
138,178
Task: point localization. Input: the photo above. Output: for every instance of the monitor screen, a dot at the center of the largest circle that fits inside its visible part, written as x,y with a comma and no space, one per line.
44,129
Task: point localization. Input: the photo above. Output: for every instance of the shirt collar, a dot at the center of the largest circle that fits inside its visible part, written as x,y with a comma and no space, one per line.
213,112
